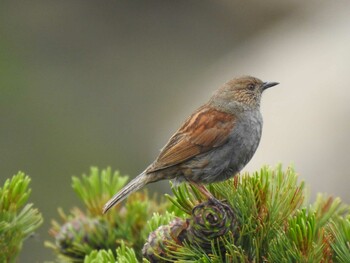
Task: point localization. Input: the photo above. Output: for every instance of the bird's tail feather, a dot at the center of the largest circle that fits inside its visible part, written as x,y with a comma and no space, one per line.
134,185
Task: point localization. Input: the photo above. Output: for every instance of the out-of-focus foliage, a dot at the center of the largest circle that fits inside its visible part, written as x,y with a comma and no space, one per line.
123,255
83,231
18,220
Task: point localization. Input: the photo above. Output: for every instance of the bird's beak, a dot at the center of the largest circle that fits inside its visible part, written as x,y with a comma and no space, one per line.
267,85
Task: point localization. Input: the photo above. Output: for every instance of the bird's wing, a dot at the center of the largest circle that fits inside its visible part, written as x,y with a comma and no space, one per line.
204,130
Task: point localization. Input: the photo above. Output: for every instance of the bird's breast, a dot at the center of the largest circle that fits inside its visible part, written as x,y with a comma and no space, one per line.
245,138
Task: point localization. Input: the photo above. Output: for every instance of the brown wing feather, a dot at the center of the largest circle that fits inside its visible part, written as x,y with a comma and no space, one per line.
205,129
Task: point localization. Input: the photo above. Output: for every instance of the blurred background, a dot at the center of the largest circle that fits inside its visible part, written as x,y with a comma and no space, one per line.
87,83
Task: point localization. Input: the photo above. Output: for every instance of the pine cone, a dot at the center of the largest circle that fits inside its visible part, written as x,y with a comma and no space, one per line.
80,230
164,240
210,220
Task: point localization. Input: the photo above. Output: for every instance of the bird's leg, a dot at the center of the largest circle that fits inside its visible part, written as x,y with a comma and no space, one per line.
209,195
203,190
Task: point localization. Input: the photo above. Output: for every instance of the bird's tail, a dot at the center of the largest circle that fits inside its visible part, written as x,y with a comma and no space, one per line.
134,185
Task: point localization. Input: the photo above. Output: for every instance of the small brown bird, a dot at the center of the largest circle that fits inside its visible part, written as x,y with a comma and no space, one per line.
213,144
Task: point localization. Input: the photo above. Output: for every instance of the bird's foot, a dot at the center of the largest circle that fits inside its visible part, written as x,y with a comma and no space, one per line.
213,200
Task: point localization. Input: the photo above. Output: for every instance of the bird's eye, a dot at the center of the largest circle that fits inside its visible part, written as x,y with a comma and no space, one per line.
251,86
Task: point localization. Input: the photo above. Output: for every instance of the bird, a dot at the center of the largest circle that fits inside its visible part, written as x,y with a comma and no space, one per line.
213,144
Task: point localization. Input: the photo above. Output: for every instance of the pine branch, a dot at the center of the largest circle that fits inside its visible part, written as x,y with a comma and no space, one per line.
269,223
18,220
340,231
123,254
258,217
82,232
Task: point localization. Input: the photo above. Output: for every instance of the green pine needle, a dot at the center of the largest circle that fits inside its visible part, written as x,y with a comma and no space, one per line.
83,231
340,230
96,188
271,223
18,220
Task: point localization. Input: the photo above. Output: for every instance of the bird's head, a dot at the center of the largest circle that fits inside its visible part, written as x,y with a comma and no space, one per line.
244,91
